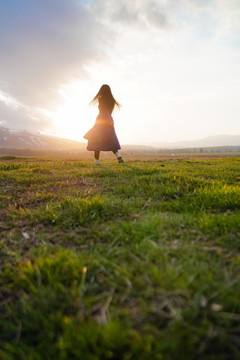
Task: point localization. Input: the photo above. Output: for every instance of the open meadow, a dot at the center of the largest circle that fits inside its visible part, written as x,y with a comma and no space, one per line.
139,260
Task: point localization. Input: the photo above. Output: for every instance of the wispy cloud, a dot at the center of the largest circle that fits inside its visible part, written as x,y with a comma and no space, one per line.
135,12
45,44
22,117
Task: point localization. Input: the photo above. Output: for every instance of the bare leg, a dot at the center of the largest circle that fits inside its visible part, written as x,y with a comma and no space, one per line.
96,156
120,160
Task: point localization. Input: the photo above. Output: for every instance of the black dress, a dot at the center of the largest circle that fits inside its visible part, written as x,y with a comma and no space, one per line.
102,136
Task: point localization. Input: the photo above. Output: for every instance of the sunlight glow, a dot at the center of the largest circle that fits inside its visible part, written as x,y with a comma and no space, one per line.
75,116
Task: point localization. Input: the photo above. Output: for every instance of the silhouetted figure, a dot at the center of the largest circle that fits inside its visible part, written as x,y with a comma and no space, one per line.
102,136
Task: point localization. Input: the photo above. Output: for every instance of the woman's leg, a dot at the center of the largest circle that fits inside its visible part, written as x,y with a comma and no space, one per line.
120,160
96,156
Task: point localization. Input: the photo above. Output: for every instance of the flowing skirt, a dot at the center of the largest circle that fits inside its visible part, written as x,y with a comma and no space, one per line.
102,136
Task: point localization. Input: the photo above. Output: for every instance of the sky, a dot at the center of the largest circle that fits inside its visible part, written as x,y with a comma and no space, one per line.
174,66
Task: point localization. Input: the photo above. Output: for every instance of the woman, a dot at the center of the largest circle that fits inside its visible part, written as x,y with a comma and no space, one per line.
102,136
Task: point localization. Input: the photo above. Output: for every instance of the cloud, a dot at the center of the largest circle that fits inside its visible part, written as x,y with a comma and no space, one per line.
45,44
20,117
148,46
135,12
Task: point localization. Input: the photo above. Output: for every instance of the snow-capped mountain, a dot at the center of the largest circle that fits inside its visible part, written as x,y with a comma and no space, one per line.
18,139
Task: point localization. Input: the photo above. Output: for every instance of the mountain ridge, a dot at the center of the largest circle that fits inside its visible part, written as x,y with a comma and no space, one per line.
23,139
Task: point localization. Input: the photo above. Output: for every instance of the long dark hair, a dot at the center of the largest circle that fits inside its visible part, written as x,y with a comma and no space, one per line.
105,96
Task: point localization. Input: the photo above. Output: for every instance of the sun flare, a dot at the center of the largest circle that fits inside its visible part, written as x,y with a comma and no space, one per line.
75,116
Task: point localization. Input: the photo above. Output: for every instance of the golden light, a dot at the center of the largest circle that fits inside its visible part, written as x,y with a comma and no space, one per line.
75,116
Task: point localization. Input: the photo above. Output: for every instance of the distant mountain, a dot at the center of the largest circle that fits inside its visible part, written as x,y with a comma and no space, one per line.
22,139
210,141
26,140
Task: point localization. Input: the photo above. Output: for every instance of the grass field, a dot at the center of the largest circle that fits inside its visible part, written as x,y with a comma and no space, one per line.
120,261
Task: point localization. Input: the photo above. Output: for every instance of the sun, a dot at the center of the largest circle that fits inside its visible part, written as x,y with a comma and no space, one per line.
74,116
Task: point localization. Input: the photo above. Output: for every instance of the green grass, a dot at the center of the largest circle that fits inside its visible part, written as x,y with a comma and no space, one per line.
120,261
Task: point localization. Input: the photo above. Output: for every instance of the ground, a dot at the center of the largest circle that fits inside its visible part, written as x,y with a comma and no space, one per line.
120,261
